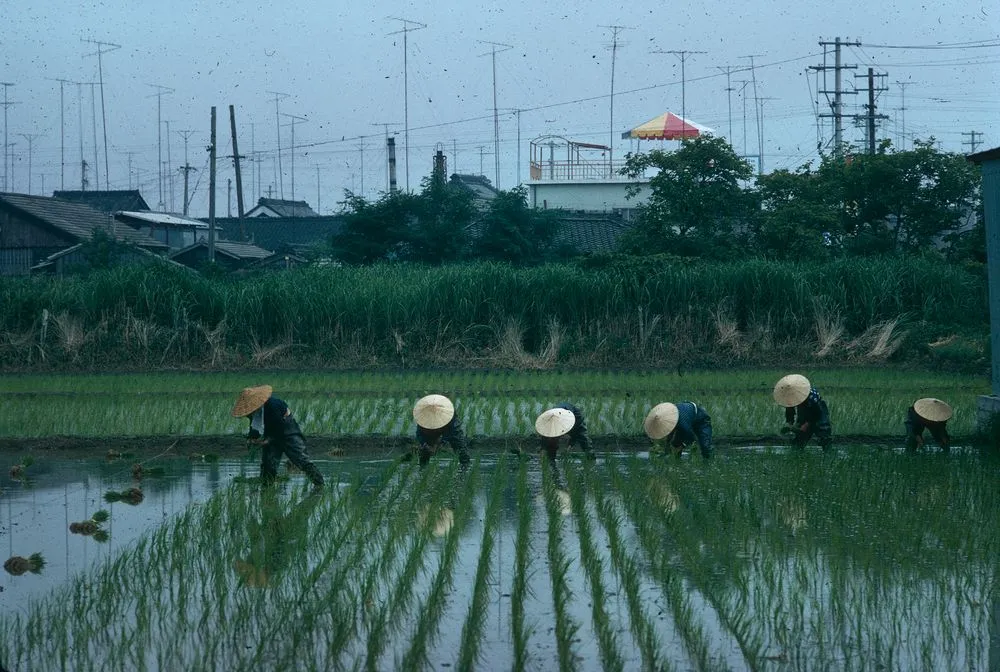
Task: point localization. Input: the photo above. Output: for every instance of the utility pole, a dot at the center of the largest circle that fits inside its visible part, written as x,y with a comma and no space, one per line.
836,103
682,54
187,167
408,27
361,147
760,156
756,111
169,172
902,112
869,117
229,199
62,131
517,113
239,173
611,126
728,69
971,142
496,119
386,126
160,92
93,126
745,83
6,161
317,190
278,97
30,137
104,119
211,193
83,161
295,120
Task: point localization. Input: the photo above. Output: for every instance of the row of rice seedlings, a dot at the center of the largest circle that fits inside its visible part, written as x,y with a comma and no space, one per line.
400,593
472,629
522,566
611,656
559,566
432,606
651,540
627,570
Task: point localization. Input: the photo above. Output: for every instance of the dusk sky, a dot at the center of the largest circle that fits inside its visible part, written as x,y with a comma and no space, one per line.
344,74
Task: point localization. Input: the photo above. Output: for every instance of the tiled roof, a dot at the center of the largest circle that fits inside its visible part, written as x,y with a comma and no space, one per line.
590,232
287,208
229,248
275,233
480,186
106,201
74,219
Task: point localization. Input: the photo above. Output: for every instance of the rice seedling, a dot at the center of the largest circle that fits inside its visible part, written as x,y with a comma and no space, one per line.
522,565
133,496
16,565
559,566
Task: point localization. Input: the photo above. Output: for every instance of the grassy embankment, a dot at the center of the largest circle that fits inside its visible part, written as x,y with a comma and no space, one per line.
871,559
639,314
503,404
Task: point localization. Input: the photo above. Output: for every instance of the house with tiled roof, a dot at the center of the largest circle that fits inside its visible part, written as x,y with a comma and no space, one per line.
229,255
106,201
281,233
32,228
276,207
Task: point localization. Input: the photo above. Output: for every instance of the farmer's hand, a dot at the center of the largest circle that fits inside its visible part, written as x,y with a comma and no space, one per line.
920,442
804,428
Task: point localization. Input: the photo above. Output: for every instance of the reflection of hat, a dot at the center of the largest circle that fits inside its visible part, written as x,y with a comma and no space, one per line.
251,398
792,390
555,422
661,420
932,409
253,576
433,411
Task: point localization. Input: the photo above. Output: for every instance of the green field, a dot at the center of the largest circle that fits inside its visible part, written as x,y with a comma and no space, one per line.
854,560
502,404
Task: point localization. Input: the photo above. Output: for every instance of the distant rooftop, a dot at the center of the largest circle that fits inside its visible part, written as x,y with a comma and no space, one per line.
480,186
162,219
276,207
106,201
76,220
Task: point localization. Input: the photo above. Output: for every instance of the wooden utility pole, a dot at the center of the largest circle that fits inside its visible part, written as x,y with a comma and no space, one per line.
211,193
239,178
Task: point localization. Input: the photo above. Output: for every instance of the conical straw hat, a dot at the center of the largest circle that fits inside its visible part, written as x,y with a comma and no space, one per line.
792,390
251,398
932,409
554,422
661,420
433,411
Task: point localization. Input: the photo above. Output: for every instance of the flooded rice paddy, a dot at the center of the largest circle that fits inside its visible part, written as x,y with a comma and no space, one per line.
860,559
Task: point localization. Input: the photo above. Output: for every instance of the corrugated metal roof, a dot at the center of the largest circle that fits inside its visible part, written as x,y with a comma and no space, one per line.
75,219
164,218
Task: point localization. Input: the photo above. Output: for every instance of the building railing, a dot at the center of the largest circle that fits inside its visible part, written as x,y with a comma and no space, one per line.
577,170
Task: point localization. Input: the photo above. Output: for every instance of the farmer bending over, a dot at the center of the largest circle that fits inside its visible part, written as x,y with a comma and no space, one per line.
436,423
275,430
805,412
930,414
680,424
563,420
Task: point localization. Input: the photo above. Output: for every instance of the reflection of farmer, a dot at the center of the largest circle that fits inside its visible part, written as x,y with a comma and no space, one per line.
275,538
437,423
275,430
930,414
563,420
805,412
680,424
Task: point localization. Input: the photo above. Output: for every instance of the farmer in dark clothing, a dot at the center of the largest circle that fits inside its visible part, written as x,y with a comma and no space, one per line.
437,423
930,414
805,412
275,430
563,420
680,424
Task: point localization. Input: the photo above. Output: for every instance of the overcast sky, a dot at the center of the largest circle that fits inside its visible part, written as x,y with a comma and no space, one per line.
343,72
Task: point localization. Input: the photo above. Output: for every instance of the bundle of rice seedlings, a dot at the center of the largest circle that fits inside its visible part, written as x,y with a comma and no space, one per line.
131,496
16,565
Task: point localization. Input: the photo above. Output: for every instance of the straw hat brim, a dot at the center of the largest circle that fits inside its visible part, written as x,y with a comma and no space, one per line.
792,390
250,399
661,420
433,411
555,422
932,409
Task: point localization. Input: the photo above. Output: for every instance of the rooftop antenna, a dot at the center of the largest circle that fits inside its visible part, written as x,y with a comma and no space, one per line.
160,92
187,167
62,129
495,48
295,120
614,52
682,54
30,137
278,97
6,162
101,50
408,26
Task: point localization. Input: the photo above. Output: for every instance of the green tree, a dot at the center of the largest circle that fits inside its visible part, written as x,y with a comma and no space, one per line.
514,232
798,218
375,231
440,233
103,250
697,205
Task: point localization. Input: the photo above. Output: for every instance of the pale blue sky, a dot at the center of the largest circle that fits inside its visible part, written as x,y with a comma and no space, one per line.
344,73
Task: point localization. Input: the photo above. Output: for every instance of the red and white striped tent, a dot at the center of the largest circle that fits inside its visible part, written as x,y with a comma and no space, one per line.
667,126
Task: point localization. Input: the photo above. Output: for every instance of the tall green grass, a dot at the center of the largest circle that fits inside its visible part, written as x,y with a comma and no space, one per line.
399,314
